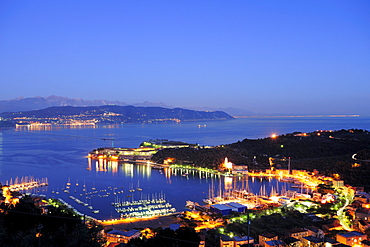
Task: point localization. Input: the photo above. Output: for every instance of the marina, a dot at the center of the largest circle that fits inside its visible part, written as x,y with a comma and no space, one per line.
135,200
60,155
26,183
152,205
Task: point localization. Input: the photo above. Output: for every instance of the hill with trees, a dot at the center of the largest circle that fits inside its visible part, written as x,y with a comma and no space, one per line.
24,224
112,114
329,152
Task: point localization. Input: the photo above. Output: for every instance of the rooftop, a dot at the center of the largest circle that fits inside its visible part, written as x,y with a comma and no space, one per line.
220,206
296,230
314,239
236,205
290,240
268,235
243,238
351,234
226,238
365,242
274,242
123,233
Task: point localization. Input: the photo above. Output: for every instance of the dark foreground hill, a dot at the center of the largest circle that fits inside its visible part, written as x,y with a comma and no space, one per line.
329,152
114,114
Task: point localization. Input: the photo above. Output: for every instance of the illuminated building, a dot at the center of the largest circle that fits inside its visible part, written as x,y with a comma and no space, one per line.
298,233
123,153
311,241
351,238
165,143
274,243
365,243
116,236
239,241
226,241
266,237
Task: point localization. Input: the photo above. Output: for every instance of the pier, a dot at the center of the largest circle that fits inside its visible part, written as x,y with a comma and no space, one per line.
26,183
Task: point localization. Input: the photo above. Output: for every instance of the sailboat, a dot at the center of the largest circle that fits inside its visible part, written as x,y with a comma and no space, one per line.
131,188
84,186
138,186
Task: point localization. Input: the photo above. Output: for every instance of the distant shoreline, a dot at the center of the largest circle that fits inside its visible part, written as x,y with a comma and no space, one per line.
300,116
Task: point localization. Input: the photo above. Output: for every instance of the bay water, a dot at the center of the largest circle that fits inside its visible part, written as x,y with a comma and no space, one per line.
60,154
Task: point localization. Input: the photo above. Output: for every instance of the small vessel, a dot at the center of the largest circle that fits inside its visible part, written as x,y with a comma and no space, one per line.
138,186
131,188
96,211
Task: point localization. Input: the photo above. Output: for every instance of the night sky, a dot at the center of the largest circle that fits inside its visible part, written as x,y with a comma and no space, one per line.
295,57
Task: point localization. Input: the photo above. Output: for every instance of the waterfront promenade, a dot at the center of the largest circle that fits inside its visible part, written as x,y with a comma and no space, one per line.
131,223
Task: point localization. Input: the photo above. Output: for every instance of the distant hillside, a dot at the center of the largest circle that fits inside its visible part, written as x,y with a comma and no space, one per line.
229,110
112,114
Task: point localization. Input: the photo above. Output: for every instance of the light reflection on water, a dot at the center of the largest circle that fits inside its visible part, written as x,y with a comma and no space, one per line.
60,154
1,151
176,184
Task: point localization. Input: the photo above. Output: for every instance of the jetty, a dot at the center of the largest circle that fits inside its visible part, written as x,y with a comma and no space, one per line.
26,183
144,208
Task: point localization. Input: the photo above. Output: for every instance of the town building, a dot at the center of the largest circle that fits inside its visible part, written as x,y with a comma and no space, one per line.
226,241
221,209
237,207
274,243
314,231
240,170
298,233
117,236
292,242
365,243
226,209
362,214
165,143
338,183
311,241
266,237
202,242
351,238
363,225
244,240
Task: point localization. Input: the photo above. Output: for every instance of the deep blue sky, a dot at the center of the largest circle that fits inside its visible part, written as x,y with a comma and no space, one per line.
265,56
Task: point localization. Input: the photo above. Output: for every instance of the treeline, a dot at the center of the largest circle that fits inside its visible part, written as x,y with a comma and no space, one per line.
328,152
312,145
363,154
200,157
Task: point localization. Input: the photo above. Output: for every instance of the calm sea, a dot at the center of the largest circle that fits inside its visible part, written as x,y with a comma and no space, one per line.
60,155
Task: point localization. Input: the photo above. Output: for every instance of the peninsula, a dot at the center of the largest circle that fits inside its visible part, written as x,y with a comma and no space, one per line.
109,114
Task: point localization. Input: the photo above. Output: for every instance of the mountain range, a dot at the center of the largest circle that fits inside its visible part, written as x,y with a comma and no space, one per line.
38,103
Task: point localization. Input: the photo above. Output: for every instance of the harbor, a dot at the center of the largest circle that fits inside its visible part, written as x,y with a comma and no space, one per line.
26,183
135,200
